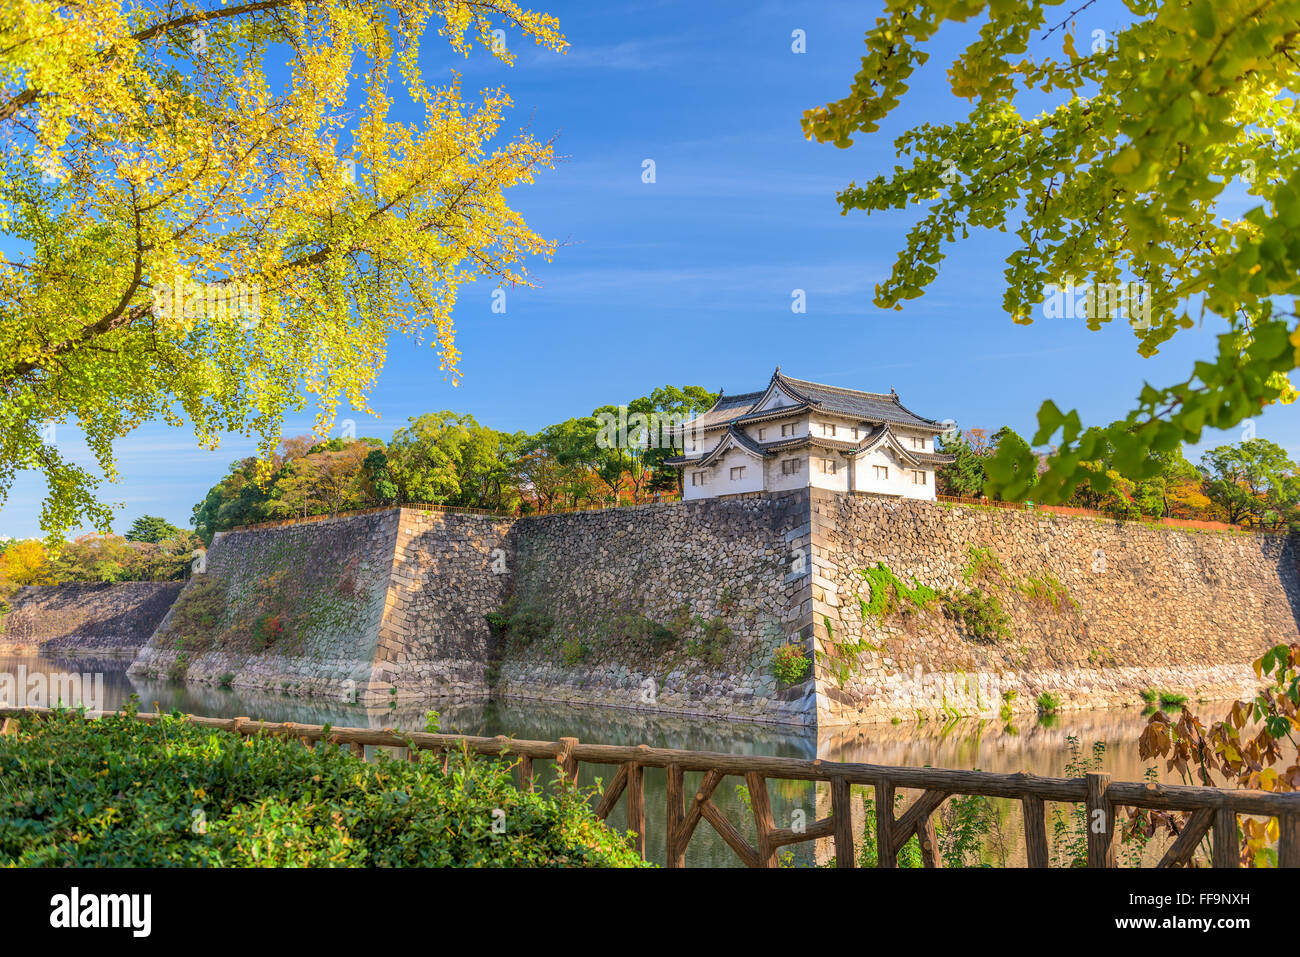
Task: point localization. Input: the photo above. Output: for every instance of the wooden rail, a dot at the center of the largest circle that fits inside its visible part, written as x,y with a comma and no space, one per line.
1071,511
444,509
1214,810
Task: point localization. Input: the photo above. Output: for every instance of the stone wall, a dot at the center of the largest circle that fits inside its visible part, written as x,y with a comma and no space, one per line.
1096,611
90,618
449,571
678,608
373,607
670,608
295,608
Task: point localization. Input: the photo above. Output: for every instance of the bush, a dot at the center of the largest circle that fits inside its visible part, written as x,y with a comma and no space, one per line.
890,594
1048,590
980,613
790,664
1047,702
710,645
574,651
116,792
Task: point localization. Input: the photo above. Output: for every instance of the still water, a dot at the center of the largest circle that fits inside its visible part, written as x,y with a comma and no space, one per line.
1039,746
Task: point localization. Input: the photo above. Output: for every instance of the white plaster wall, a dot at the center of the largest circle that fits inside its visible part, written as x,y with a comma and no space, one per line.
772,430
778,481
900,476
839,482
723,484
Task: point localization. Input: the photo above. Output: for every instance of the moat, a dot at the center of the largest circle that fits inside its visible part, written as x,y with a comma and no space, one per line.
1023,743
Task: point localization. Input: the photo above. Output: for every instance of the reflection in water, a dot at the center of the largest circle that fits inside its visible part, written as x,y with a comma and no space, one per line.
1022,745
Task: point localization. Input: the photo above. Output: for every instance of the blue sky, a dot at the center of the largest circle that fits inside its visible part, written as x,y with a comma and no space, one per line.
689,280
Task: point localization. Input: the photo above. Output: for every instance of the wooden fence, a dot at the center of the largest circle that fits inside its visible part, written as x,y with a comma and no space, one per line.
1213,810
444,509
1070,510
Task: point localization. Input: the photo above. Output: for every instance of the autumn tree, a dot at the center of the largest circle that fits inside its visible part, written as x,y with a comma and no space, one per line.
1249,479
1108,159
24,563
197,231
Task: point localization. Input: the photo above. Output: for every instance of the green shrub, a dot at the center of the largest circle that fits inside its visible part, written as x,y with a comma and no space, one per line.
1047,702
982,564
574,651
521,624
1048,590
528,626
710,644
227,679
890,594
1150,695
1171,699
267,630
179,668
1008,696
643,630
116,792
790,664
980,613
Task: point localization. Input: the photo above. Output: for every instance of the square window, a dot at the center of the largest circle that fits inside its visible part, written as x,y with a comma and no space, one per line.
882,472
762,434
918,478
737,472
829,466
790,466
698,478
787,429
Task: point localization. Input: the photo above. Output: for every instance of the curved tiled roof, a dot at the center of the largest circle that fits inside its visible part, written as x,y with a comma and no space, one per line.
876,407
872,406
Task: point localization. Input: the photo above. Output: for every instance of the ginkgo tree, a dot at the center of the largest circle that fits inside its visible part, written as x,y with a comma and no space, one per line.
212,214
1117,183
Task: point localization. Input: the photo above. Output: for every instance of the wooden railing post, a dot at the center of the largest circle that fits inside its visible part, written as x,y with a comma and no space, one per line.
842,817
886,852
636,804
675,849
1225,849
1288,840
763,823
1035,831
1100,821
567,762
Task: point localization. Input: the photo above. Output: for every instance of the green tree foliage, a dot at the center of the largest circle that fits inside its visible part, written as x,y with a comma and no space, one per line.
151,528
1249,483
968,475
1253,480
446,458
1109,163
